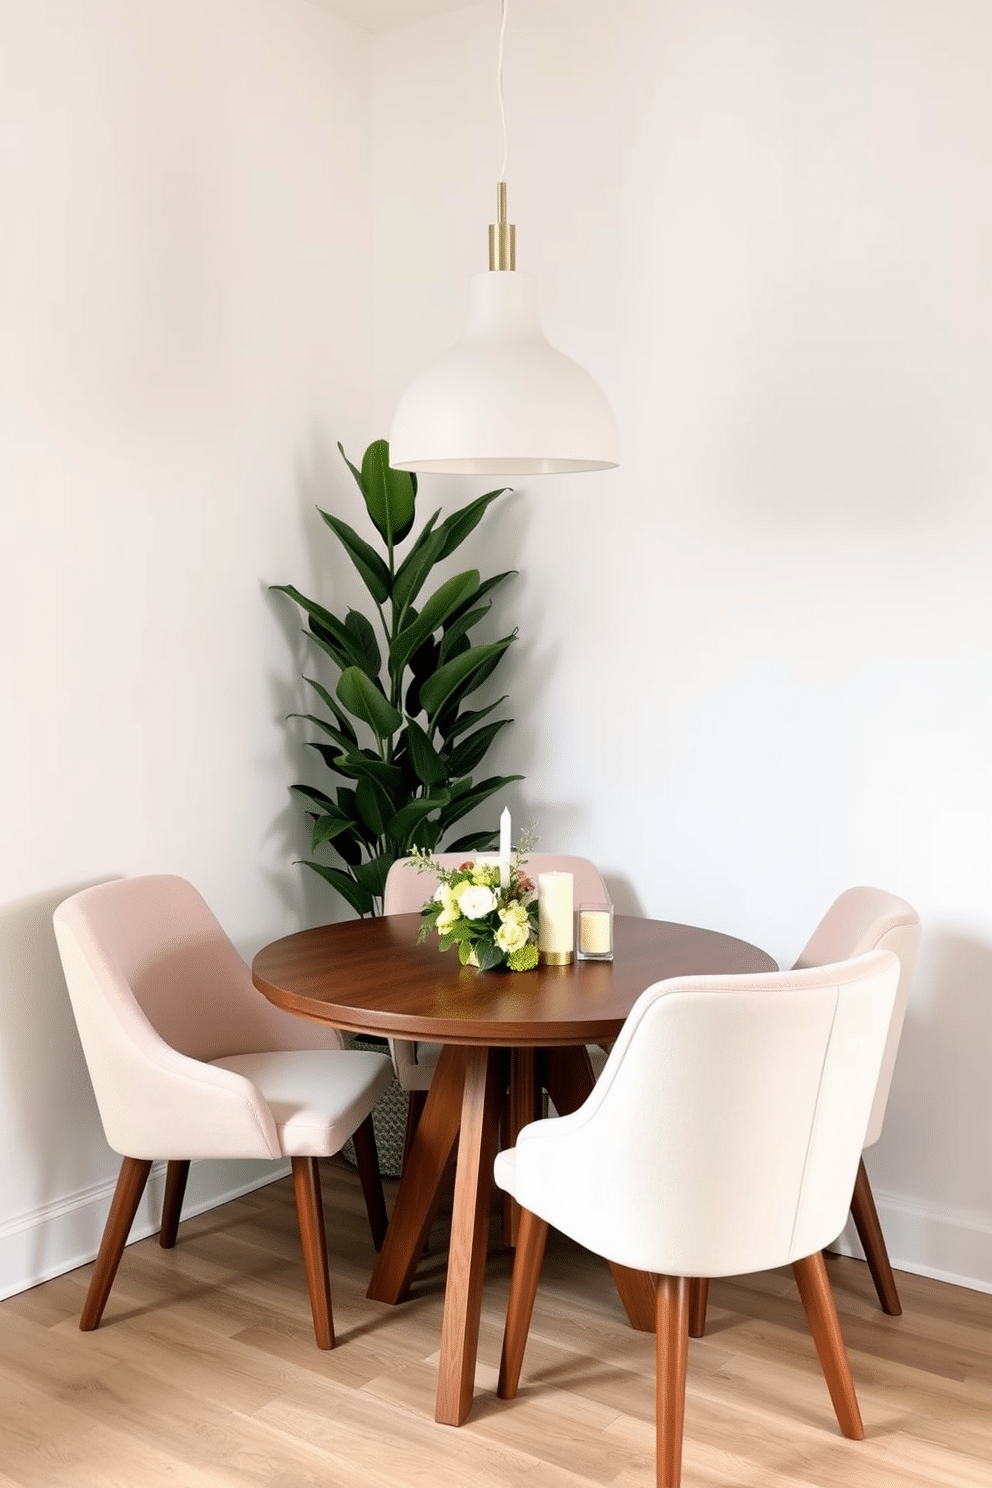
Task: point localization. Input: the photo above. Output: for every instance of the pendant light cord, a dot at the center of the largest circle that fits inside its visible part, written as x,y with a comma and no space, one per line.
502,234
499,85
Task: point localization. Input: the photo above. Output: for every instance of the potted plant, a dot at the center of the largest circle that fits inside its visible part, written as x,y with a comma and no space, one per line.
398,732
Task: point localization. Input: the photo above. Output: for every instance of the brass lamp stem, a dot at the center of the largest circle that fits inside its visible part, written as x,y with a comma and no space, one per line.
502,235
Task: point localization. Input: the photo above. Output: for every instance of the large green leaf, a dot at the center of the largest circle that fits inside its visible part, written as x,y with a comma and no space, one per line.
311,793
442,603
357,895
343,741
375,574
326,828
457,527
343,722
455,633
374,806
412,814
488,955
459,674
365,700
372,875
485,588
326,627
390,495
413,571
423,664
364,765
427,763
365,637
464,801
485,670
469,720
350,848
468,754
424,835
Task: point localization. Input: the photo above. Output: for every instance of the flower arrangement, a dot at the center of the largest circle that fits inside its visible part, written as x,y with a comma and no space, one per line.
486,907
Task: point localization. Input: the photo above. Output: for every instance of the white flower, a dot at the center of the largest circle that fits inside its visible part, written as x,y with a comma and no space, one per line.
514,929
475,900
447,920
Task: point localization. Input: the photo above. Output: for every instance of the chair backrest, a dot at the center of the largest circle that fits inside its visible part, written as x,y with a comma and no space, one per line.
407,890
865,919
725,1131
157,990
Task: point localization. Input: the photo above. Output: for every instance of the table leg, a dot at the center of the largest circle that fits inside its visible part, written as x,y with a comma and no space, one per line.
568,1078
469,1237
420,1192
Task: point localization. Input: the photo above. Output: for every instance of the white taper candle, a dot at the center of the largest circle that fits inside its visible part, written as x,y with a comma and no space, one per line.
504,847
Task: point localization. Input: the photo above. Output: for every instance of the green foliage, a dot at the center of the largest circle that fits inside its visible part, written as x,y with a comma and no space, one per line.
397,733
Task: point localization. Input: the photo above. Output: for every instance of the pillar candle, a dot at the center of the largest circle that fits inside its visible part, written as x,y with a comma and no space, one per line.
594,932
504,847
556,925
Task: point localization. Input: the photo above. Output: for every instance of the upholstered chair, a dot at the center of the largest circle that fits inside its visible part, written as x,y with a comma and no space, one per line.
188,1060
861,919
723,1137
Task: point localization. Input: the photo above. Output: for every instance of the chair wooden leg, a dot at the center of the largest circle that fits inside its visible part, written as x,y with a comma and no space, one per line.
699,1292
176,1175
821,1312
367,1162
310,1213
127,1195
869,1230
532,1237
671,1352
520,1109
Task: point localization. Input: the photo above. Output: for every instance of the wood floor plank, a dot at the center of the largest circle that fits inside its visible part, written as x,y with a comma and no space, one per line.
205,1375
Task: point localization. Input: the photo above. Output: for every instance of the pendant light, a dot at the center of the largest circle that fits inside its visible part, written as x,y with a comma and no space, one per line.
503,400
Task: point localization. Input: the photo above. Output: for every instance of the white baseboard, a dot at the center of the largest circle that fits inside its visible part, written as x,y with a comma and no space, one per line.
949,1245
59,1236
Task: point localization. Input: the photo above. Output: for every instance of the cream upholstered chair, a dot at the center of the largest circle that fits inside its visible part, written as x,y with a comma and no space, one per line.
407,890
864,919
861,919
188,1060
722,1137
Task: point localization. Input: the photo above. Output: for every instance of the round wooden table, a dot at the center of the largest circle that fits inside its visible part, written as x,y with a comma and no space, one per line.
371,976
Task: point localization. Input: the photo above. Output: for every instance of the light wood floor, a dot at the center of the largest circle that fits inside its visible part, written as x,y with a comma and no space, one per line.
204,1373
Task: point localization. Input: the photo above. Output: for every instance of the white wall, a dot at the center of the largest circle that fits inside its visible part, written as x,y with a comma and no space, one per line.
753,662
753,665
184,311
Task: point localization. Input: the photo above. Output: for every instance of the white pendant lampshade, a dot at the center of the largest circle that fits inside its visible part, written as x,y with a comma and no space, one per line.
503,401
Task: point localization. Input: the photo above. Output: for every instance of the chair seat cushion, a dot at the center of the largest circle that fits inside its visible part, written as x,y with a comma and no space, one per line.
317,1097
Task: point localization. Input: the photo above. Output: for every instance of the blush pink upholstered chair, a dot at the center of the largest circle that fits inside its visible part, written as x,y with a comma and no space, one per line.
406,892
723,1137
861,919
188,1060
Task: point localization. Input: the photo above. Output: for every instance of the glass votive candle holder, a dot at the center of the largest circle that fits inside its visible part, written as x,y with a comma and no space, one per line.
594,932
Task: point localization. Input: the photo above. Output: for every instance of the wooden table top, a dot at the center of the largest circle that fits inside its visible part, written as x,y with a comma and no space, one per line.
371,976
